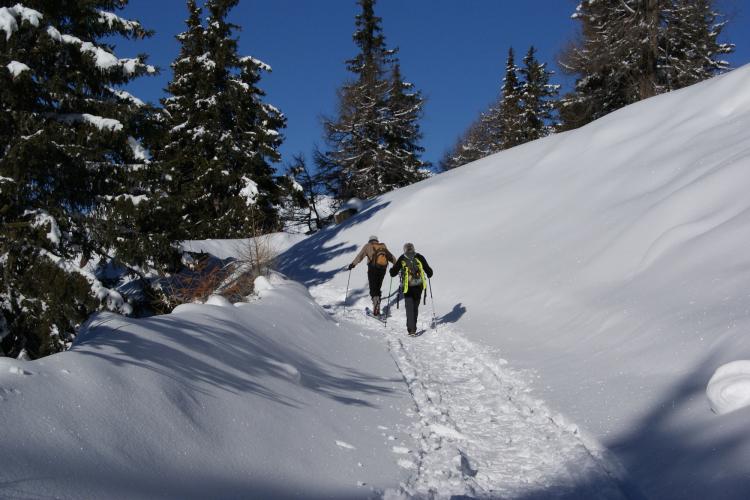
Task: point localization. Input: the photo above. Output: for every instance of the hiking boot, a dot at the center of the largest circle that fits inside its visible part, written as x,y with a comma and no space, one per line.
376,306
411,333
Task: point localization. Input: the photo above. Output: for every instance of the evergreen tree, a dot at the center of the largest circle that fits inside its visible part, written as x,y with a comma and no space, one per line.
373,143
68,138
633,49
471,146
690,50
222,138
511,115
539,99
403,165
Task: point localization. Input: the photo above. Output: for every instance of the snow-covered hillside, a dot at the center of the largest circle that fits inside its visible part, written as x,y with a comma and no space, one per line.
611,262
603,268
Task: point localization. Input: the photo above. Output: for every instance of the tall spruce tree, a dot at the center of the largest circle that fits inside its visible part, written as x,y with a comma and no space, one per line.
373,143
511,115
633,49
67,136
539,98
523,112
222,139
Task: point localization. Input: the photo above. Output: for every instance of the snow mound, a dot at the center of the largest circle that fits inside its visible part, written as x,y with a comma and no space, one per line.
262,285
729,388
218,300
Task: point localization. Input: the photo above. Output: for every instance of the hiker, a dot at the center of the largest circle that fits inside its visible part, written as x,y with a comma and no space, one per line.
378,258
414,272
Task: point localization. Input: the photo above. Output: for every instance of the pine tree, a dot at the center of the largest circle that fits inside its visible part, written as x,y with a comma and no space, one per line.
539,98
373,143
634,49
689,49
222,138
511,115
403,165
68,138
471,146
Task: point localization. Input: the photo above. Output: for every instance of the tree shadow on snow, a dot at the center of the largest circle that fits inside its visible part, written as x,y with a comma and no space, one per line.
221,357
301,261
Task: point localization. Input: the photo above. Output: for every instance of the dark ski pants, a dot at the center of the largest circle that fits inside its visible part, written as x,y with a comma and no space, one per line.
375,276
411,304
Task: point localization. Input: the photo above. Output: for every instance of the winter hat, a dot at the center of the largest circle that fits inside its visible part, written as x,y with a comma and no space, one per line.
373,238
409,250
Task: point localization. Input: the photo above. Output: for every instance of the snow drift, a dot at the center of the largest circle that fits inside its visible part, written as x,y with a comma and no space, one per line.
268,399
612,261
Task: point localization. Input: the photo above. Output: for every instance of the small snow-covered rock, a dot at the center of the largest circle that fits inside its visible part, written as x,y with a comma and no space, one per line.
218,300
729,388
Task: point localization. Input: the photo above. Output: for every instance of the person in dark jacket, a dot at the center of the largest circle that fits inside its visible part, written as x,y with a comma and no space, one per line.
414,272
378,258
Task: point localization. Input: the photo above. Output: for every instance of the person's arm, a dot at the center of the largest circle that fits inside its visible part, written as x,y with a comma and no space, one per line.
396,267
390,256
361,255
425,265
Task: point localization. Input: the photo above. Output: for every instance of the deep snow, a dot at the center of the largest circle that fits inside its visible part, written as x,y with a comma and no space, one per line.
268,399
611,262
606,265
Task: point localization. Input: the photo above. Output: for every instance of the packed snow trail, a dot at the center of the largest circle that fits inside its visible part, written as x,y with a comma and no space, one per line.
480,434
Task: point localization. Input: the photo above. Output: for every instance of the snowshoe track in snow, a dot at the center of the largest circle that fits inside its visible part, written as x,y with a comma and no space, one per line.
479,433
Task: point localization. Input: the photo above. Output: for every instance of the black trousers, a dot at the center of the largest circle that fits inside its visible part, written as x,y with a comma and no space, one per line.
375,276
412,298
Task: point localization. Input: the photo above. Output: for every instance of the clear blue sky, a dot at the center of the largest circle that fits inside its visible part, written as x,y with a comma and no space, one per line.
453,51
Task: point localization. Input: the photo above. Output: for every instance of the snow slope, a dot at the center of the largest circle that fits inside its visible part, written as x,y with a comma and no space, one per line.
268,399
610,262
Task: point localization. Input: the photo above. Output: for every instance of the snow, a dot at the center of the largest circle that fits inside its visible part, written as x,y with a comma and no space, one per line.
587,287
139,152
9,18
606,264
235,249
44,219
16,68
249,191
208,402
256,62
99,122
729,388
127,96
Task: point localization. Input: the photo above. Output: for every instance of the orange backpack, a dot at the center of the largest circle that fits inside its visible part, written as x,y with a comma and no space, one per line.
380,255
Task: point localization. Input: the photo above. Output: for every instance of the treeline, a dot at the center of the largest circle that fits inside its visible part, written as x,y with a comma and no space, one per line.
626,51
97,188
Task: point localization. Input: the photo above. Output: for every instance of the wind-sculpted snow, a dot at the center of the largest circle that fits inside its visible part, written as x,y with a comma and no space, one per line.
212,401
612,261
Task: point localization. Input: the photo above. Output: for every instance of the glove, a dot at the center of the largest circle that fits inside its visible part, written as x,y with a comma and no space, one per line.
350,267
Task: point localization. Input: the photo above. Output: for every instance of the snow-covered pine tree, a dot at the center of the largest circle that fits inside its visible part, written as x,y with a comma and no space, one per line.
633,49
690,50
539,98
66,135
403,165
471,146
364,156
221,137
511,114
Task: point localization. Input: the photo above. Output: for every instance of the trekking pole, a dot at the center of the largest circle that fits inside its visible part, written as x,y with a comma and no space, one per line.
432,301
346,296
388,302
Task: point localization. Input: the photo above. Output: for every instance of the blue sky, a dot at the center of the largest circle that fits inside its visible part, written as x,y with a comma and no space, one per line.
453,51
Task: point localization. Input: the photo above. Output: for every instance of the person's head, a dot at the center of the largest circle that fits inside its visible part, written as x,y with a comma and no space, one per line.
409,250
373,239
